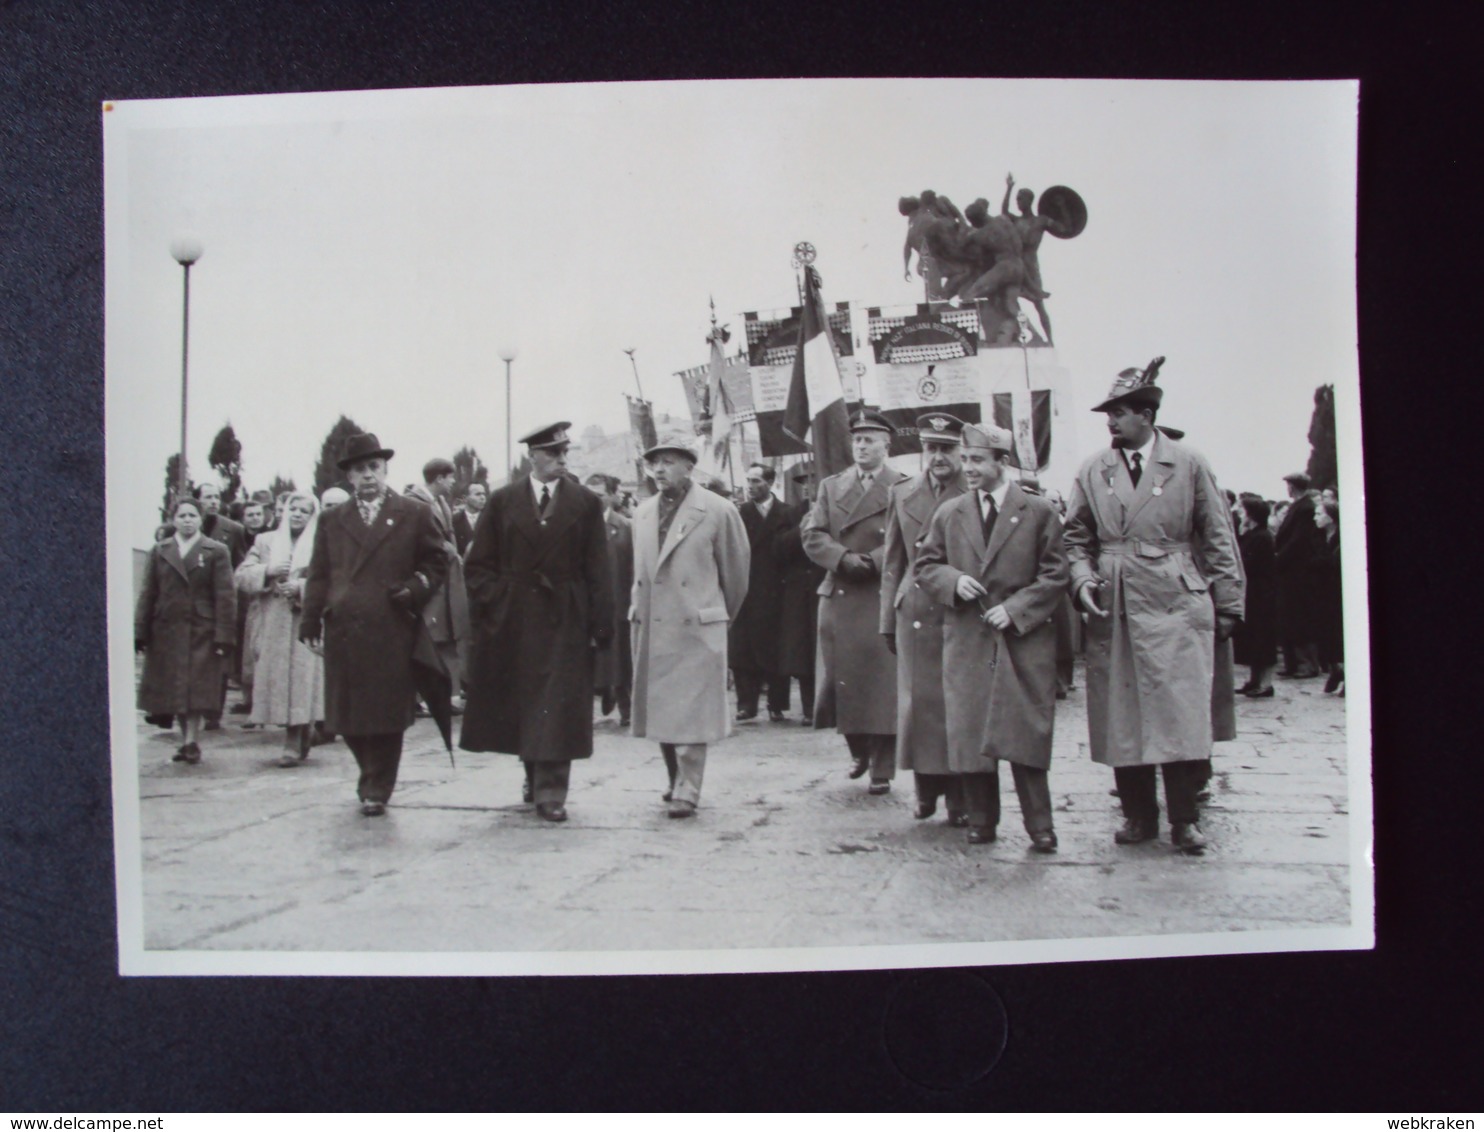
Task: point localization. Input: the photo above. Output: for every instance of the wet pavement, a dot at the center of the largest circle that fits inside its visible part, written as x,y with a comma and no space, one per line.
785,851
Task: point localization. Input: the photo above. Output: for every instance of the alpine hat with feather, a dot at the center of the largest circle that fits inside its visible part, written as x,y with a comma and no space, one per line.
1135,388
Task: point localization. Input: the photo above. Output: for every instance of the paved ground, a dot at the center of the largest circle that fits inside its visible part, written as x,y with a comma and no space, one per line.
785,851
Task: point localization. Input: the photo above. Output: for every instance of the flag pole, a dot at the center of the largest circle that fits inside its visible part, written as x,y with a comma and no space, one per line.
1025,358
639,385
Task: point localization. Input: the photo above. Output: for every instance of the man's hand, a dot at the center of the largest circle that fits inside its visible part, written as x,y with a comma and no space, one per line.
968,588
997,618
857,567
286,589
1226,625
401,598
1087,597
313,637
891,642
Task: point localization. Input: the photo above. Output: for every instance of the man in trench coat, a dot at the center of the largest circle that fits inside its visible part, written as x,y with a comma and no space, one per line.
912,622
993,558
691,562
1155,567
856,682
376,561
540,599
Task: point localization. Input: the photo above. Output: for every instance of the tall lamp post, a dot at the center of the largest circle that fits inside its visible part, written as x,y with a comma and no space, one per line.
507,355
186,251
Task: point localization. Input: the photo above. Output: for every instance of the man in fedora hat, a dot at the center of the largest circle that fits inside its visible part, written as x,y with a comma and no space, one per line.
912,622
1154,566
540,599
856,687
374,566
691,562
993,560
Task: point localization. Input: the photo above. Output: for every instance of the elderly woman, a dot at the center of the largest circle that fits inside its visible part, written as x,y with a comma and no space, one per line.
185,624
288,677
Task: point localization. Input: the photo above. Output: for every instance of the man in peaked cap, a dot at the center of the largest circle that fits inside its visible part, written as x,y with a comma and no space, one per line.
540,599
691,563
912,622
856,684
1154,565
993,559
376,562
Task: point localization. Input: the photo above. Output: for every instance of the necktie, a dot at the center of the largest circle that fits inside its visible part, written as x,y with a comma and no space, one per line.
989,516
1136,467
866,478
545,499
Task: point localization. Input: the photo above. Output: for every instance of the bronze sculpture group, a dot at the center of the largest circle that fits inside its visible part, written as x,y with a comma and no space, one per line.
975,255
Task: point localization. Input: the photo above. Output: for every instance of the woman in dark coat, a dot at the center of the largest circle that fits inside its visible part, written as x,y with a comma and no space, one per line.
186,624
1329,605
1256,638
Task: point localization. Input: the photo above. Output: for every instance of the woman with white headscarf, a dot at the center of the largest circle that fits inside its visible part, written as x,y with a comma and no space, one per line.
288,677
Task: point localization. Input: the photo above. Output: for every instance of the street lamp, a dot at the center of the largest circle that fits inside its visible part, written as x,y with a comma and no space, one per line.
507,355
186,250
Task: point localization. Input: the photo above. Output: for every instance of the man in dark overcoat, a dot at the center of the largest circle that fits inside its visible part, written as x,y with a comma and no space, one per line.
798,617
754,638
993,558
912,622
540,598
1295,546
613,667
376,562
856,686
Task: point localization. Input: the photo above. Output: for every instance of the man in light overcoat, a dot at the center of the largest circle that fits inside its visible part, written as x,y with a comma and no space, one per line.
856,681
691,562
912,622
993,558
1155,567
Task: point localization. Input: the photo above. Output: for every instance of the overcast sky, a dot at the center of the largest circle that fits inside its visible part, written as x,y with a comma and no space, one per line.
371,253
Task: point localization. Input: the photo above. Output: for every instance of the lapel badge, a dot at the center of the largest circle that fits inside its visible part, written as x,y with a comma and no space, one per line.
1159,490
1015,518
388,522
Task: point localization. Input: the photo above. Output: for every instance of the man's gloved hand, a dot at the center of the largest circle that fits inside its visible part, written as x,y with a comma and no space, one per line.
401,598
1226,625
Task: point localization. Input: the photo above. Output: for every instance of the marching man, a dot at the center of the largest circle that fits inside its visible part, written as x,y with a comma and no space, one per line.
993,557
1154,565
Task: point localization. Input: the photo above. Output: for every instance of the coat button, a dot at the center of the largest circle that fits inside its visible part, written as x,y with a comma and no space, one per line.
917,624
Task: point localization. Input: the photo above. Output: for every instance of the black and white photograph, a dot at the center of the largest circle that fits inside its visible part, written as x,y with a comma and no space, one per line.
735,526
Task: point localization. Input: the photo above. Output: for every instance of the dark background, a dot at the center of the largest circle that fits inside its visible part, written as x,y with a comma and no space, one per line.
1392,1029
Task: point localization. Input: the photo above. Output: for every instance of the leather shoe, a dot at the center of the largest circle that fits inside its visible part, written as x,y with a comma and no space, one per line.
191,753
746,716
926,808
682,809
1266,694
859,767
981,834
879,786
957,820
287,760
373,809
775,716
1135,831
551,811
1044,842
1188,838
180,754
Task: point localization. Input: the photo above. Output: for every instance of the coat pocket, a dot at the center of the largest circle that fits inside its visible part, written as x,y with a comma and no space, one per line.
712,614
1194,583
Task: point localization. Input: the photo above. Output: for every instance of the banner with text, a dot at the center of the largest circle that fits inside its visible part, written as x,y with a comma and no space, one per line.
1027,414
735,382
924,364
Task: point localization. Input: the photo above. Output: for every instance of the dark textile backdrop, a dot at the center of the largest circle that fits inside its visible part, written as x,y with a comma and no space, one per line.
1391,1029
